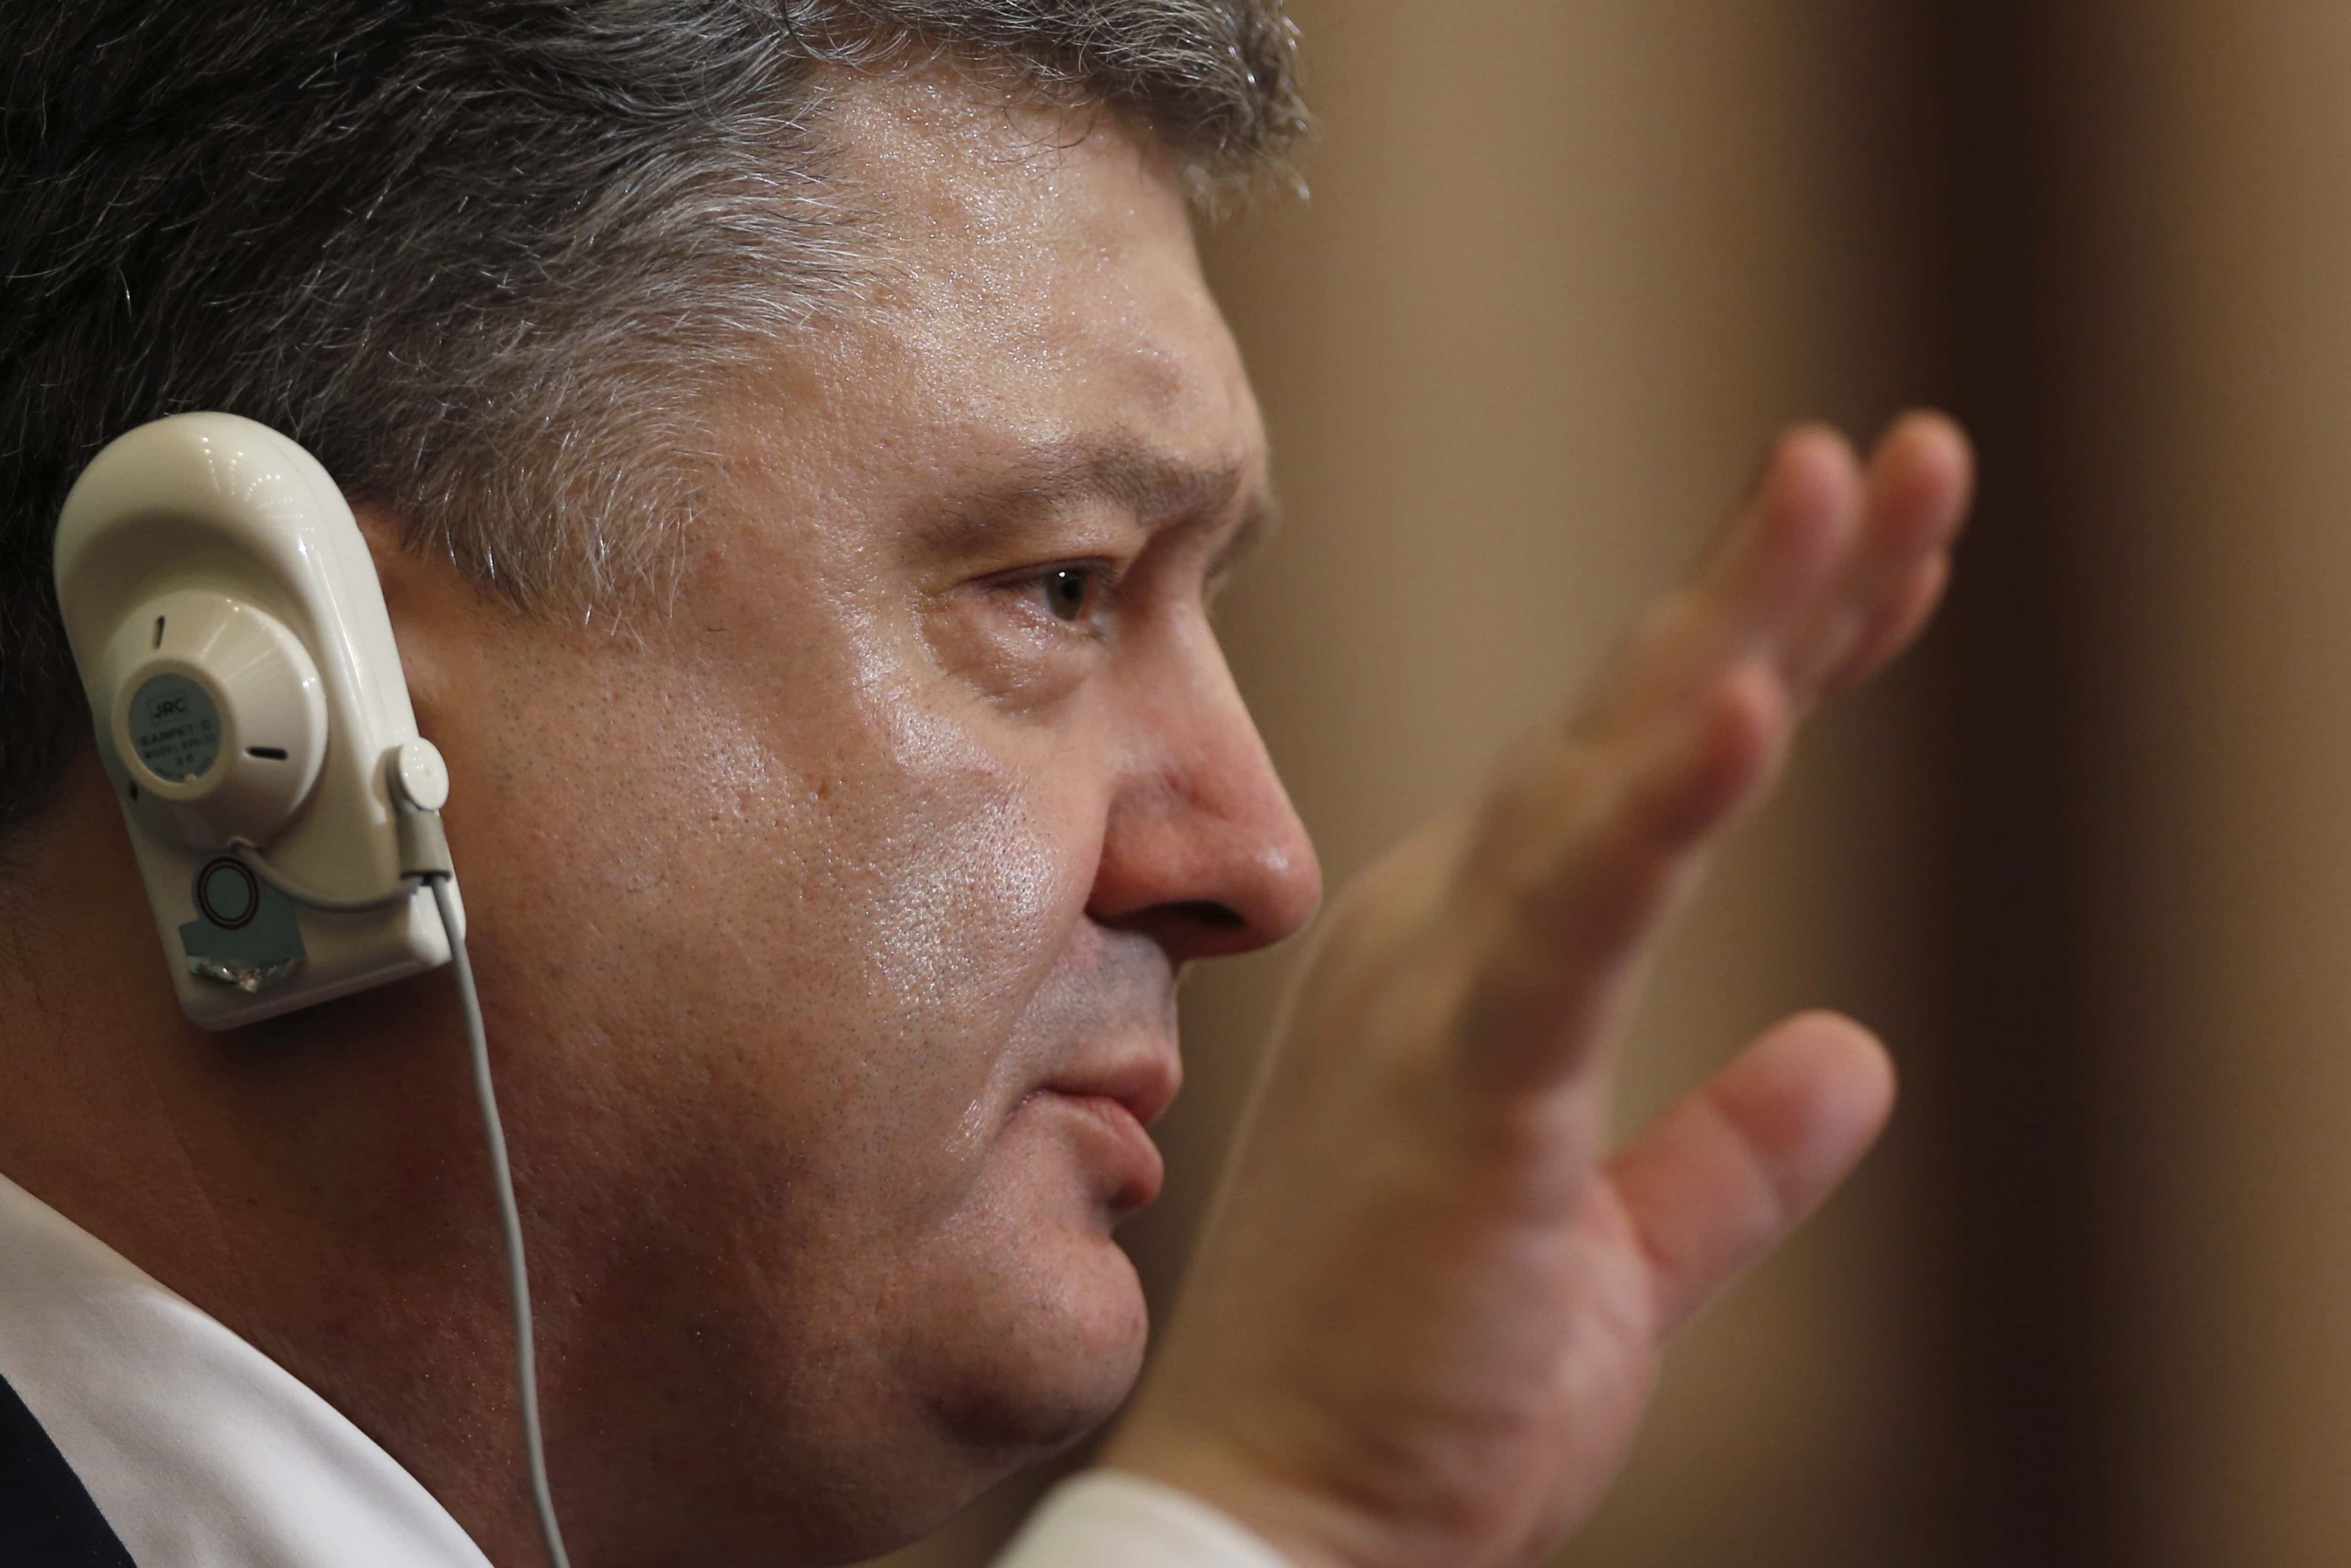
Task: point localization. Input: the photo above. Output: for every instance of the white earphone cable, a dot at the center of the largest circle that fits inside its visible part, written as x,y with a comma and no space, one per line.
509,1221
436,876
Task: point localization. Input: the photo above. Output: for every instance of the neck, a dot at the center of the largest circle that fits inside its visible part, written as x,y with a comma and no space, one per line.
316,1183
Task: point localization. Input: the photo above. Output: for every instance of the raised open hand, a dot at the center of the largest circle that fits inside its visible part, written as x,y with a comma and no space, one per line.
1422,1325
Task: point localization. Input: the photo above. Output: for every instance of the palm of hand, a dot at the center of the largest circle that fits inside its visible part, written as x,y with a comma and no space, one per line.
1426,1320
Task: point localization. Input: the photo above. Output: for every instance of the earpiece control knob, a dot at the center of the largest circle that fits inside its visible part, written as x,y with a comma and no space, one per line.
219,721
419,778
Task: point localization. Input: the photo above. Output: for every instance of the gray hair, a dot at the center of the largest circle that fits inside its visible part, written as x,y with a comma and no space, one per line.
487,261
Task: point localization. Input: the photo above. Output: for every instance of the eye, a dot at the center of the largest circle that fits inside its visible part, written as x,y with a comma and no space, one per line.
1071,591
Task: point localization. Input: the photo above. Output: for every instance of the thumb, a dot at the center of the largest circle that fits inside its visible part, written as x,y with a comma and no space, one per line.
1730,1170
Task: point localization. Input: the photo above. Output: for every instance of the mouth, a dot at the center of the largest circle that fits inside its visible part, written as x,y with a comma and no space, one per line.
1143,1086
1112,1105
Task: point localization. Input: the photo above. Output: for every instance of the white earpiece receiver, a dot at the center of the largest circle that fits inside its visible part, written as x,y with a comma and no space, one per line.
250,702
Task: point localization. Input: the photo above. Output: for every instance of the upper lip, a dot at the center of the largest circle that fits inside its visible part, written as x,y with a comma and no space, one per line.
1144,1082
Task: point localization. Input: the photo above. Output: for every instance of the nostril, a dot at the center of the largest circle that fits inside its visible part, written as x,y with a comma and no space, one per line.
1190,928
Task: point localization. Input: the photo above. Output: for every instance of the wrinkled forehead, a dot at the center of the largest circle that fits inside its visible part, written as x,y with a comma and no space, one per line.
958,161
1033,266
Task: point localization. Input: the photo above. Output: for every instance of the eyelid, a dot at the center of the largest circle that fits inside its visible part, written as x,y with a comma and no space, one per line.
1107,573
1104,566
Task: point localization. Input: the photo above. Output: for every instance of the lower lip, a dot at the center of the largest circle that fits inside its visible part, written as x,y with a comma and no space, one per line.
1132,1158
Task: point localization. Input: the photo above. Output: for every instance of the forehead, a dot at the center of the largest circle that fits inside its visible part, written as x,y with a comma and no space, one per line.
1035,284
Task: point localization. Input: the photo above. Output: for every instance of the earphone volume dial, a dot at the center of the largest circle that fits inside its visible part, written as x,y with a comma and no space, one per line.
219,723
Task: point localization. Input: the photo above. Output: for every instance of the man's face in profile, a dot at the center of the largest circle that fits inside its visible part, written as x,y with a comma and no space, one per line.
843,912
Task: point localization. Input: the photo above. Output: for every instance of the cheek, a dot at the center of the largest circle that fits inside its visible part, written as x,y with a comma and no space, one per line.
975,861
806,947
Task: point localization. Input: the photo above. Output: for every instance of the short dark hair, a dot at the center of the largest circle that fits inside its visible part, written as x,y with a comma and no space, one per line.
480,257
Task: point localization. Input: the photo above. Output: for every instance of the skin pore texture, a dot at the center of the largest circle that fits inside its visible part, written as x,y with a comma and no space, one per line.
827,926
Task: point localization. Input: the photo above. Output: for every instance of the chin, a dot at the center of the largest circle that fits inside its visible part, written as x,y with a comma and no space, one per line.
1029,1355
1035,1325
1055,1353
986,1361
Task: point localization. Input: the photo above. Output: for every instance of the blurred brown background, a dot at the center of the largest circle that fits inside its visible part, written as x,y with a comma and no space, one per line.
2085,860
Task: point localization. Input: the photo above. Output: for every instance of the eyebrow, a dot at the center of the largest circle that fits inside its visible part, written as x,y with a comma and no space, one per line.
1159,490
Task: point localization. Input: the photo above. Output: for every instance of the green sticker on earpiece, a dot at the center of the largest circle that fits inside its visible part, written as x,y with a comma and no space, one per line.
175,727
246,934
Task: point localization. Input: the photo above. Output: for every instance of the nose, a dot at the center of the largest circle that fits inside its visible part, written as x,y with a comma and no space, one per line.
1203,852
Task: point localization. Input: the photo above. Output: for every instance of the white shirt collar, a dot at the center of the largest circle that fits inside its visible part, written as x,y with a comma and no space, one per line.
200,1451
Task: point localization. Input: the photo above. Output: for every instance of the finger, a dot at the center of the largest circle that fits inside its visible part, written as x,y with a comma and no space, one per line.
1574,863
1916,498
1723,1176
1914,502
1900,619
1769,572
1800,456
